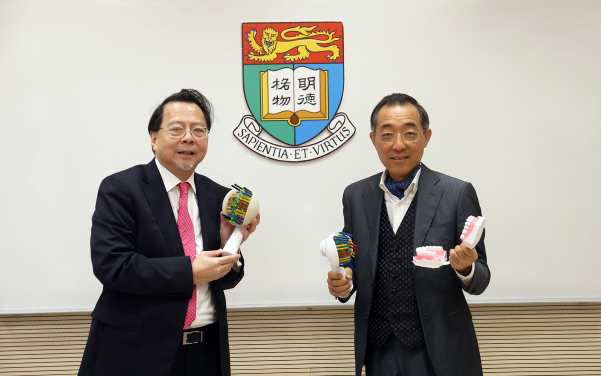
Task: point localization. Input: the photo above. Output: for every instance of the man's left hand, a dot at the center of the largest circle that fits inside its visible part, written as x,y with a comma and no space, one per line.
227,228
462,257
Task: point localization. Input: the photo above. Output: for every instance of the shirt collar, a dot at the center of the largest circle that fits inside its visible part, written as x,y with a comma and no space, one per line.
170,180
411,189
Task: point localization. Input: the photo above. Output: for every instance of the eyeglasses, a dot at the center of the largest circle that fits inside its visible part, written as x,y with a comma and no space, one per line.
389,137
180,132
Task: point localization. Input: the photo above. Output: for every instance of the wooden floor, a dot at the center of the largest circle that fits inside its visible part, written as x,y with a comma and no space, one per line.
518,339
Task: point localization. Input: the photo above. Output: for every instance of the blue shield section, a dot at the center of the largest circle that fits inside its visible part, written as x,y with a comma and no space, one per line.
311,128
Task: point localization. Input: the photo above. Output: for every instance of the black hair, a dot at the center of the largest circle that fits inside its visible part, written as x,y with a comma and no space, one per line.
185,95
397,99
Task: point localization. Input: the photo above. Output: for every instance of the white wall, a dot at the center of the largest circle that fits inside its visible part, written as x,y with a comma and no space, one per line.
512,88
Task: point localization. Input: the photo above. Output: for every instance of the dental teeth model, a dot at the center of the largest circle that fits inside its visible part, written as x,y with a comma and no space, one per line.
472,231
239,207
430,257
340,251
435,256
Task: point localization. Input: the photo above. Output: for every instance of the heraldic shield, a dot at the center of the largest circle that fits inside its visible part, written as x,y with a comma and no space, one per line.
293,76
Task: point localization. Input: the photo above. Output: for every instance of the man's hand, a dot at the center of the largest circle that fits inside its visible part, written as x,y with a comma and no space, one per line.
208,266
340,285
462,257
227,228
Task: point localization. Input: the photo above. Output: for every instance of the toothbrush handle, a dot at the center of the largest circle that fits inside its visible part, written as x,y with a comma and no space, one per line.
232,247
339,269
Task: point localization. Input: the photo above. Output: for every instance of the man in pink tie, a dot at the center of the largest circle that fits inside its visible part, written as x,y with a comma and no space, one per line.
157,234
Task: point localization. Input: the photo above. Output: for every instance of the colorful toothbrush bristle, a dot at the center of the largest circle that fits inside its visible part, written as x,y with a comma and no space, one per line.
238,205
346,249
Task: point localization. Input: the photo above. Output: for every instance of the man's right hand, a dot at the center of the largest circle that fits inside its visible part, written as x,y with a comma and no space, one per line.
208,266
340,285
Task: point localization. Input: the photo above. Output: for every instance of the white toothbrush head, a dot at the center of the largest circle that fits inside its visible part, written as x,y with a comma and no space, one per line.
240,206
339,249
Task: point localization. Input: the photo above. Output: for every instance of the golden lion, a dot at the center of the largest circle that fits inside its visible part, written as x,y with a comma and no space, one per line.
305,40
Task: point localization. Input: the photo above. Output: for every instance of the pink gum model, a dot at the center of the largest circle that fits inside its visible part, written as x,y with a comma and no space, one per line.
472,231
430,257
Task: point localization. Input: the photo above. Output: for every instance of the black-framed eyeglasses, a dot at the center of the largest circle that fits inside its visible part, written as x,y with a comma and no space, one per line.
179,132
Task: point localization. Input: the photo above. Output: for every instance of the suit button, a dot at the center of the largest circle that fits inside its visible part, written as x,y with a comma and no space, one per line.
180,321
393,289
366,318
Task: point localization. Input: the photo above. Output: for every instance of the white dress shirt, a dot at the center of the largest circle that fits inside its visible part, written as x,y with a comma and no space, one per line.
205,306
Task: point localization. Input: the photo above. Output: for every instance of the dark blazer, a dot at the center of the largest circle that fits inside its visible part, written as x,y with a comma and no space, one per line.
443,205
137,255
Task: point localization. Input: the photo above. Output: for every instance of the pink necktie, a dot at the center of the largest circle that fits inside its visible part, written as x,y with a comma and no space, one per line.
186,232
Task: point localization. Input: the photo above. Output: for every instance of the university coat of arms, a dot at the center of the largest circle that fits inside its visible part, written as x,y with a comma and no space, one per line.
293,84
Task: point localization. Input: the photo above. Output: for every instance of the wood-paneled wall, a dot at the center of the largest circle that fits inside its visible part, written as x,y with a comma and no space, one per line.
515,339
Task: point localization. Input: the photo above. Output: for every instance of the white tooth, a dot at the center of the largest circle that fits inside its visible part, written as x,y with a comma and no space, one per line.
463,232
470,218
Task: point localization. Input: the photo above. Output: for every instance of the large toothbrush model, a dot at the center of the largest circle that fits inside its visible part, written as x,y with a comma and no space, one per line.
435,256
339,249
239,207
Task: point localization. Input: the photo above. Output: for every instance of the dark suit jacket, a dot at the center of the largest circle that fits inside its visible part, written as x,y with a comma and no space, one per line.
137,255
443,205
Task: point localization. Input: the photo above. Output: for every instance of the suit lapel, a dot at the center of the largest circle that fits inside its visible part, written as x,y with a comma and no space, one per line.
207,204
427,203
158,200
372,206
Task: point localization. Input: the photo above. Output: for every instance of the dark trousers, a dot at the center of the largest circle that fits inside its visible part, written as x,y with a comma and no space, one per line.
393,359
199,359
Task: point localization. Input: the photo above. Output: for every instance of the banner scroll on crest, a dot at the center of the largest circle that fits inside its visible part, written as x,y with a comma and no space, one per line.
340,130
